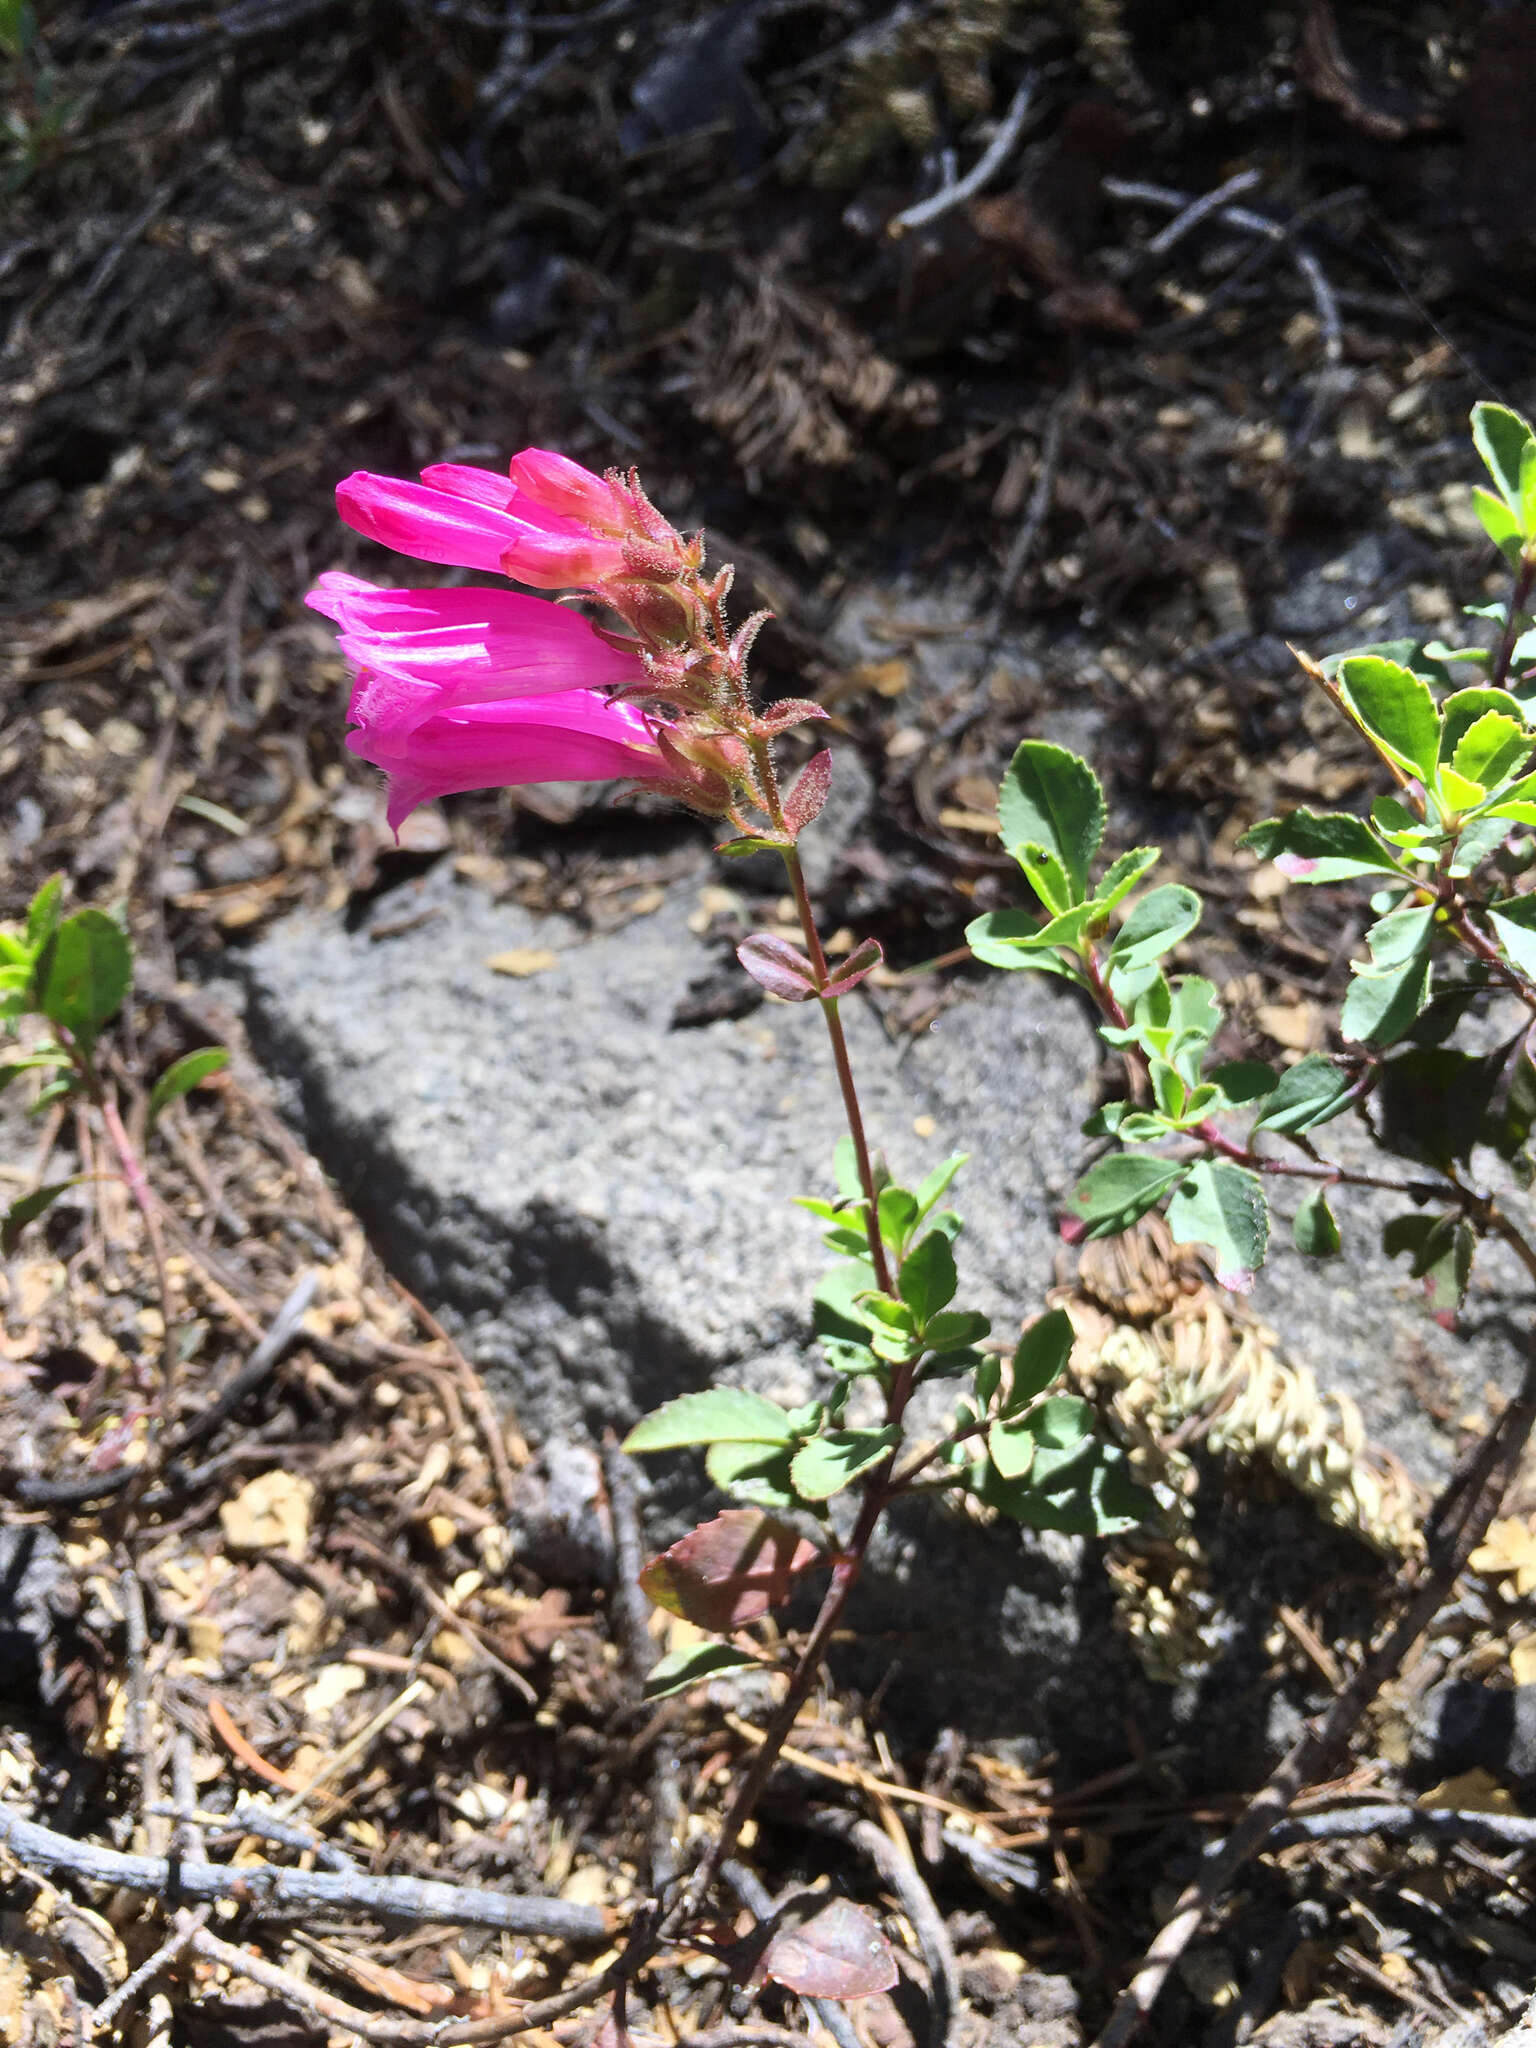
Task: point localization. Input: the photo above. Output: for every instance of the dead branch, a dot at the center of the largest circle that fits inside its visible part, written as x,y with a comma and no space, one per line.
986,166
272,1890
1396,1823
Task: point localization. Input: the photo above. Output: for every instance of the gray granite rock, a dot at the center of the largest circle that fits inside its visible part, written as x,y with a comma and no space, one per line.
602,1206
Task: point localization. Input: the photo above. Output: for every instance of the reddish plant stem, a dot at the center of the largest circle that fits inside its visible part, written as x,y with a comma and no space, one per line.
1525,576
845,1080
138,1187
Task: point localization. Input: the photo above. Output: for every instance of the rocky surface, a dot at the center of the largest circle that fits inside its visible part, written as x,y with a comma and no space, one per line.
601,1204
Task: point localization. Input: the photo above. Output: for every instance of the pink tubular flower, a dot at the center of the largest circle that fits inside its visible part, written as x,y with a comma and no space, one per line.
469,646
568,736
475,519
566,489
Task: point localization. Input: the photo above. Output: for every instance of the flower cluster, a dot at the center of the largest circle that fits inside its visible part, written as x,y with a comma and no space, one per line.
483,688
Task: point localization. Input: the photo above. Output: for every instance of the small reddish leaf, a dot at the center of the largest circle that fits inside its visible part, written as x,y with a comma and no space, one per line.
779,967
839,1953
787,712
864,959
810,792
729,1571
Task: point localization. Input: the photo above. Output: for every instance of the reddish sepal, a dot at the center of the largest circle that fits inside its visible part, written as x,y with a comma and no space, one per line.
810,792
789,711
838,1953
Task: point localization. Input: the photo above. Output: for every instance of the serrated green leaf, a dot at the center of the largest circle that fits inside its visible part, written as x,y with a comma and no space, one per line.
43,914
1314,1229
756,1473
1320,846
926,1279
1493,747
1113,1194
182,1076
827,1464
1121,877
83,973
1501,437
1482,837
1001,937
1384,999
1397,710
716,1415
1046,876
1223,1205
1052,798
1157,924
28,1208
1307,1095
1463,709
691,1666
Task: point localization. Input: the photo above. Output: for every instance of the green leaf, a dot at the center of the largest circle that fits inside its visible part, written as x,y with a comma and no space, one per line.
1494,747
1397,710
1153,928
182,1076
1514,926
1307,1095
836,1311
937,1184
1223,1205
758,1473
1439,1250
728,1415
956,1329
1121,877
1040,1358
49,1057
1501,437
43,914
27,1208
1245,1081
1434,1101
897,1211
1011,1447
1482,837
1462,710
827,1464
1051,798
1113,1194
1000,937
1385,998
926,1279
1499,523
1320,846
83,973
682,1668
1314,1229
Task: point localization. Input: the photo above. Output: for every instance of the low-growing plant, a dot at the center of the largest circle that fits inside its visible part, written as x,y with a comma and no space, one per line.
70,974
472,688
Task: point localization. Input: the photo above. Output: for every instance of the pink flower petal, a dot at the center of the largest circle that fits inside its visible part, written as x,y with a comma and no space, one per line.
433,525
565,488
572,736
471,646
